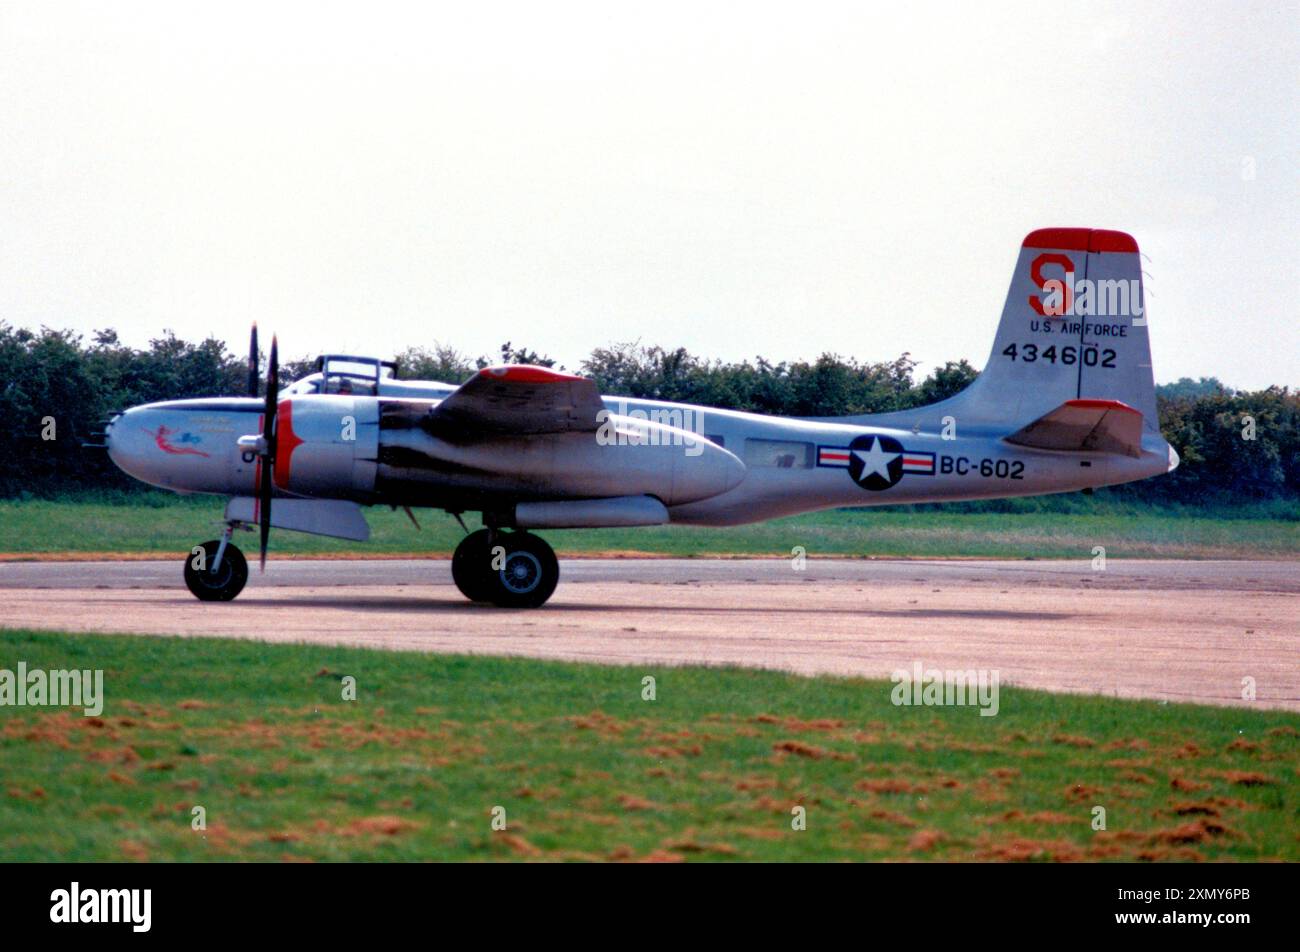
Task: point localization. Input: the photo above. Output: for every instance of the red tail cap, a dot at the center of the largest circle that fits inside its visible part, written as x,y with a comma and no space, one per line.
1094,240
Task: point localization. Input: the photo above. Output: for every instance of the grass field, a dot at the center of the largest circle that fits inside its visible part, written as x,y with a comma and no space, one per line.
584,767
168,525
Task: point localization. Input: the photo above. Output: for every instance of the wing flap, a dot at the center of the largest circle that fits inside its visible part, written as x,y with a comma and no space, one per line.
522,399
1097,426
337,518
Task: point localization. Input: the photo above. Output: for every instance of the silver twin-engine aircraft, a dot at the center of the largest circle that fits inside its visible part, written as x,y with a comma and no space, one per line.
1066,402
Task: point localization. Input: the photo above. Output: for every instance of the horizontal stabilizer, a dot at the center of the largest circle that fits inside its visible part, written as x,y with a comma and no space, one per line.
1097,426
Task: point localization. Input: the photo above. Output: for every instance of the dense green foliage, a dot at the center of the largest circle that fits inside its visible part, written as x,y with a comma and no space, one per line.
55,384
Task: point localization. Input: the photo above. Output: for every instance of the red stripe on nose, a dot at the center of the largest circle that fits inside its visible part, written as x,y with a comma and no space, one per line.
286,441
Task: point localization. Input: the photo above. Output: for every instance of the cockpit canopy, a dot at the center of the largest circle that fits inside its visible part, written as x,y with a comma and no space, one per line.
345,374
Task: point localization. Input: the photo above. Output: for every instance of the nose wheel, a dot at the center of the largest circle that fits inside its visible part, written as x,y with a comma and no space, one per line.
215,572
508,569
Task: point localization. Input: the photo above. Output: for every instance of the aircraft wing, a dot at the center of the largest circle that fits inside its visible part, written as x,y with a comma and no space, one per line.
522,399
1099,426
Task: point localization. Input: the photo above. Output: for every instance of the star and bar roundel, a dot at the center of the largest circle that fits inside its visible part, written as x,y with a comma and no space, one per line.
876,462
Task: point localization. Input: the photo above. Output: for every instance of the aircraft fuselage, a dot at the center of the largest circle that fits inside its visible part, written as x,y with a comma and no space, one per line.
708,466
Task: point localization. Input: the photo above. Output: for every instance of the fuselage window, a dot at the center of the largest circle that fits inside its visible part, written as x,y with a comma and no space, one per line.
781,454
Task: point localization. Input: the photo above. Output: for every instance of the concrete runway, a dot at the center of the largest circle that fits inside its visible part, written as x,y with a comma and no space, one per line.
1179,631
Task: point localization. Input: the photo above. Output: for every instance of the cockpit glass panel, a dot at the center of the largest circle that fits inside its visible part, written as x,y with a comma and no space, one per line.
356,368
309,384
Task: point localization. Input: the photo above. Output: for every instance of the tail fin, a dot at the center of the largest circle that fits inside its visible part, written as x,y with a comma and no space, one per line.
1073,328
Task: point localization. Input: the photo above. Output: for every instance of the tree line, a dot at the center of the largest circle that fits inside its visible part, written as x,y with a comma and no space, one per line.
56,388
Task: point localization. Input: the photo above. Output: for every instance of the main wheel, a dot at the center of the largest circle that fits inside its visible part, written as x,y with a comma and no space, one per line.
223,584
523,573
471,564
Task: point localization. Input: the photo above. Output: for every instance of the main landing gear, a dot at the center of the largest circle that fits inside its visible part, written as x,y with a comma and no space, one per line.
508,569
216,571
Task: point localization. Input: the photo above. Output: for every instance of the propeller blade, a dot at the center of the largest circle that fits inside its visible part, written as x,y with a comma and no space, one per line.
269,434
272,382
264,493
252,363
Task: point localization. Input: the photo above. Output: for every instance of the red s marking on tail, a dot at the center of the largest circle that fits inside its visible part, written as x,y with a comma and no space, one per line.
163,439
1066,303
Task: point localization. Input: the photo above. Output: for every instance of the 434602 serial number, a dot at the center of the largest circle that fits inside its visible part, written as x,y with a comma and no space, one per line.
1068,355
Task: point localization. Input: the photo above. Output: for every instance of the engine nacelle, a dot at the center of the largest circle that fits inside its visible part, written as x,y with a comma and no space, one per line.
627,458
327,446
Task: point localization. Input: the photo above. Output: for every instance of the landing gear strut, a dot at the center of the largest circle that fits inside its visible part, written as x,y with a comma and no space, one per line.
216,571
508,569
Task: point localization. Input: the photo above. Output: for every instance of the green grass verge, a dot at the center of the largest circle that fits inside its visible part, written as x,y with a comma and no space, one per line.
584,767
168,525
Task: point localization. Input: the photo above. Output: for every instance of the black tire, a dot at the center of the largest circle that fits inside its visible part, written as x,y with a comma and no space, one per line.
528,571
222,585
471,564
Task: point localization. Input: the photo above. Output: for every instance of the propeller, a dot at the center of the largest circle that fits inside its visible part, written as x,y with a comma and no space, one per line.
252,363
269,440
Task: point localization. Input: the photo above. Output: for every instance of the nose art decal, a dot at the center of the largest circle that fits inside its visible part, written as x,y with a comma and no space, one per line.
163,438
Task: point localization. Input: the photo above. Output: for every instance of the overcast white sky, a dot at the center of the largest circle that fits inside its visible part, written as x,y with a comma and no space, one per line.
737,178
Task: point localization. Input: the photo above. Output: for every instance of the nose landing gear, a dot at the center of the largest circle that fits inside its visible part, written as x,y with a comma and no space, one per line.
216,571
508,569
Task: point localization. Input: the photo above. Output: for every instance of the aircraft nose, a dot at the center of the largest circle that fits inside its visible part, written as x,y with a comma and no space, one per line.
187,446
120,449
134,448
